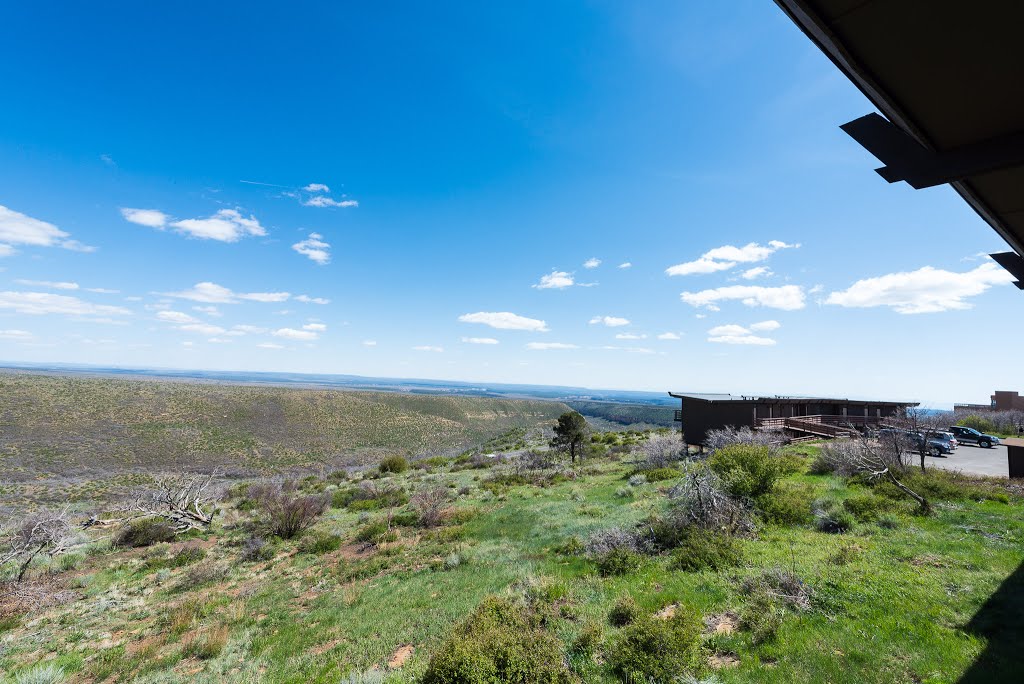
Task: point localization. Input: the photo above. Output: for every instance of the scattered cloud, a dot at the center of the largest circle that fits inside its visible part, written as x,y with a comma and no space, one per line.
16,335
108,160
592,262
18,229
270,345
293,334
369,343
631,350
556,280
544,346
227,225
314,248
766,326
208,310
316,187
428,348
926,290
626,264
212,293
315,327
669,336
202,328
479,340
247,330
151,218
102,290
175,317
610,321
756,272
631,336
48,284
39,303
726,257
306,299
504,320
786,297
736,334
324,201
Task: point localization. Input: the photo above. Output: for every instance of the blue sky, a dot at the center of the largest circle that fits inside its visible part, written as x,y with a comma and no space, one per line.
350,188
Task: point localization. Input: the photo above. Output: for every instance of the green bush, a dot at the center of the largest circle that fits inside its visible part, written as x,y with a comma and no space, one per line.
394,464
747,470
588,641
617,562
978,423
762,616
866,507
624,612
319,543
144,532
375,532
701,549
652,649
572,546
834,521
660,474
789,503
500,642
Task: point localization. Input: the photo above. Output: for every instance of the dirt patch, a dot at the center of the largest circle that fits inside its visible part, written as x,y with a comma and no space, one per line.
723,623
721,661
400,656
930,560
667,612
324,648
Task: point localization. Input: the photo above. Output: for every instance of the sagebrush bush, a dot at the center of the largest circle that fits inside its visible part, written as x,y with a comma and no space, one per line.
747,471
286,513
47,673
589,639
658,650
375,532
202,575
700,549
394,464
254,549
789,503
624,612
144,532
500,641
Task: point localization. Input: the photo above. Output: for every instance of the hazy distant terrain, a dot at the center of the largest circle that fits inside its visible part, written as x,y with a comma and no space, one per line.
58,433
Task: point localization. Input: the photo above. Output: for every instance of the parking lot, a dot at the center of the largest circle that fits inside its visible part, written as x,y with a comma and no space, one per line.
976,460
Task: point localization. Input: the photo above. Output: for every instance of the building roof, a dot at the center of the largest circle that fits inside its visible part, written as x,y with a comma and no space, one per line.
782,399
945,74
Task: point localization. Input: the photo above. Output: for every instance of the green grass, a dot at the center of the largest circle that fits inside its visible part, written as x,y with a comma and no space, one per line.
887,605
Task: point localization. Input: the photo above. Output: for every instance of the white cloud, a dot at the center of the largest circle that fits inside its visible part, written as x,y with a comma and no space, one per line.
504,320
218,340
306,299
592,262
248,329
39,303
102,290
631,350
48,283
787,297
766,326
669,336
556,280
736,334
151,218
756,272
315,327
543,346
926,290
322,201
270,345
202,328
293,334
208,310
316,187
227,225
175,317
479,340
626,264
369,343
630,336
17,335
428,348
212,293
315,248
18,229
610,321
726,257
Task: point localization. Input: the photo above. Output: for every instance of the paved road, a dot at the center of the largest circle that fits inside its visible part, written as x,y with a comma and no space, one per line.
972,459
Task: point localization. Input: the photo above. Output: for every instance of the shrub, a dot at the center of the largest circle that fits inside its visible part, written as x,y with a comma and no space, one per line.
744,436
394,464
701,499
286,513
572,546
48,673
888,522
320,543
617,562
748,471
652,649
372,532
255,549
624,612
833,520
789,503
661,451
782,586
978,423
866,507
144,532
206,645
201,575
637,480
588,641
500,642
430,504
185,556
661,474
761,615
700,549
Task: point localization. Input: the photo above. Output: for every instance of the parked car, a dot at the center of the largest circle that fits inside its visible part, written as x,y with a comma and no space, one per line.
966,435
938,443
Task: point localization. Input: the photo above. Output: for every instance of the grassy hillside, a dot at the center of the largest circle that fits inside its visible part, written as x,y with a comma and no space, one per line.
626,414
60,435
370,595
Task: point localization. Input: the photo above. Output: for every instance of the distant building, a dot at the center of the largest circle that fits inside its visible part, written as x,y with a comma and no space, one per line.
1001,400
798,416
